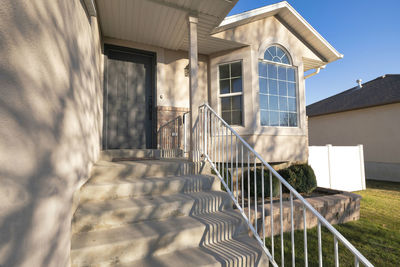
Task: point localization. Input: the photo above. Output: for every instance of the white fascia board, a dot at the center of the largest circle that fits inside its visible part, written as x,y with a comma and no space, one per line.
271,10
311,28
231,20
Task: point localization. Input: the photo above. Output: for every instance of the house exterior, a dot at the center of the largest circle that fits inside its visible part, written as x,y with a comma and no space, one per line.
365,114
66,67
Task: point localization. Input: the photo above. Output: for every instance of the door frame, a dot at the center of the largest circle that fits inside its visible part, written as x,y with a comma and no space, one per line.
153,102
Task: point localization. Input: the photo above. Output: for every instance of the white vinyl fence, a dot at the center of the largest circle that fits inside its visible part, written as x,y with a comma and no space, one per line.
338,167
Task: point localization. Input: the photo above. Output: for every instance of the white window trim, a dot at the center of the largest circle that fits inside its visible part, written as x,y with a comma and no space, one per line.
230,94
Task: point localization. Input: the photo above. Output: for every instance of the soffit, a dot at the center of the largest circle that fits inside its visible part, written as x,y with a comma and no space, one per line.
164,23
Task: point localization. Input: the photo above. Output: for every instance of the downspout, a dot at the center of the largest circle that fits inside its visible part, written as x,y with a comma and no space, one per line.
317,70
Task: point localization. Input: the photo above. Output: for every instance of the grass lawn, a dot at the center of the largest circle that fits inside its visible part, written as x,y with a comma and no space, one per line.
376,235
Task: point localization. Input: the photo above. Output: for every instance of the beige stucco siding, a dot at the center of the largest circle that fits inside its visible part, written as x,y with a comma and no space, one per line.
377,128
50,125
274,143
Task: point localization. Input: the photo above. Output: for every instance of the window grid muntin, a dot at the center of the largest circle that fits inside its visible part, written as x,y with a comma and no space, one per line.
275,55
267,94
231,94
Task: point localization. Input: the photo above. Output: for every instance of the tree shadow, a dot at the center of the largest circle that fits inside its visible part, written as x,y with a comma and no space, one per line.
51,109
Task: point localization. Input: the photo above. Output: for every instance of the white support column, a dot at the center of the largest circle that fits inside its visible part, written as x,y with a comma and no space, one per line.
194,86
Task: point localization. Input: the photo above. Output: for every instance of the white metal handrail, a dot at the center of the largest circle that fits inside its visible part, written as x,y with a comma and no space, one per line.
220,152
172,136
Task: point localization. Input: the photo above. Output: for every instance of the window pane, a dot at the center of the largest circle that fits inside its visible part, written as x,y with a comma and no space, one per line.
224,86
224,71
272,50
279,52
225,103
272,71
291,75
282,73
267,55
226,116
283,106
263,85
236,85
264,118
292,104
273,102
272,87
236,69
282,88
291,89
262,69
292,119
274,118
263,101
236,102
283,119
236,118
277,59
285,60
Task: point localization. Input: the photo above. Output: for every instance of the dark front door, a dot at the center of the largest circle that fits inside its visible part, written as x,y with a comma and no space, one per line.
128,98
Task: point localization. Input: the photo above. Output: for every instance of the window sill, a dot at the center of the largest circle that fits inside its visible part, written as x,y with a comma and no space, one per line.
271,130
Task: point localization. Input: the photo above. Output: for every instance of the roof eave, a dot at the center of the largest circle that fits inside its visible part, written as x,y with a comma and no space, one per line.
276,10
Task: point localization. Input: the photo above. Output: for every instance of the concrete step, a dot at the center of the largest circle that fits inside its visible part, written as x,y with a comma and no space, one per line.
128,188
110,154
241,251
116,212
106,171
151,238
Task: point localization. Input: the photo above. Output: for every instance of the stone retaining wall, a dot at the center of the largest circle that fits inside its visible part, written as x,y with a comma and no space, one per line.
336,208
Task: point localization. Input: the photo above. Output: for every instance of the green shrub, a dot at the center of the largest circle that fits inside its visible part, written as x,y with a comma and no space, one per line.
275,183
227,179
301,177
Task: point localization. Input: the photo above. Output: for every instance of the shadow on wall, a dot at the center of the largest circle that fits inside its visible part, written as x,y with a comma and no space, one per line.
50,125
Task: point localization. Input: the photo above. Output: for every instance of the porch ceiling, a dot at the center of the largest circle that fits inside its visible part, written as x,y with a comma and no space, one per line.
164,23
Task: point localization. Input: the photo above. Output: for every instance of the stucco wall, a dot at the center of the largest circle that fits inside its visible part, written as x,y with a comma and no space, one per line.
377,128
50,125
275,144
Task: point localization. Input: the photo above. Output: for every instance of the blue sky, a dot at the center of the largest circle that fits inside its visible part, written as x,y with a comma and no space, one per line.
366,32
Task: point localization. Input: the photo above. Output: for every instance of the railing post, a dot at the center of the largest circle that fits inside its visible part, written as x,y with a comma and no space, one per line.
184,133
205,131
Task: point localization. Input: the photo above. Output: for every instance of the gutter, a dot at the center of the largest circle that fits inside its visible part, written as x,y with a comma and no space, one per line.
317,70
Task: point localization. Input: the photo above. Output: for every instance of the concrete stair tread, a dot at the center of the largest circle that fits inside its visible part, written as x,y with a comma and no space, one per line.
128,180
126,188
125,163
238,251
94,215
154,228
108,155
108,170
143,201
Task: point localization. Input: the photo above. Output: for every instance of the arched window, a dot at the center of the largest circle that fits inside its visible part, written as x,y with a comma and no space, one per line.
278,89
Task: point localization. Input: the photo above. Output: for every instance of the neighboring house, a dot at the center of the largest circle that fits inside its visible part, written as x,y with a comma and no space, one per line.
66,67
367,114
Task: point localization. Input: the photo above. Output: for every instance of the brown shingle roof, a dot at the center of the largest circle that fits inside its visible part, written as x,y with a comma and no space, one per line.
383,90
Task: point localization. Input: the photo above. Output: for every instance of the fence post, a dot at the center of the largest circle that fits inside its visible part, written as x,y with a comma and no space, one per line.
362,169
329,148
